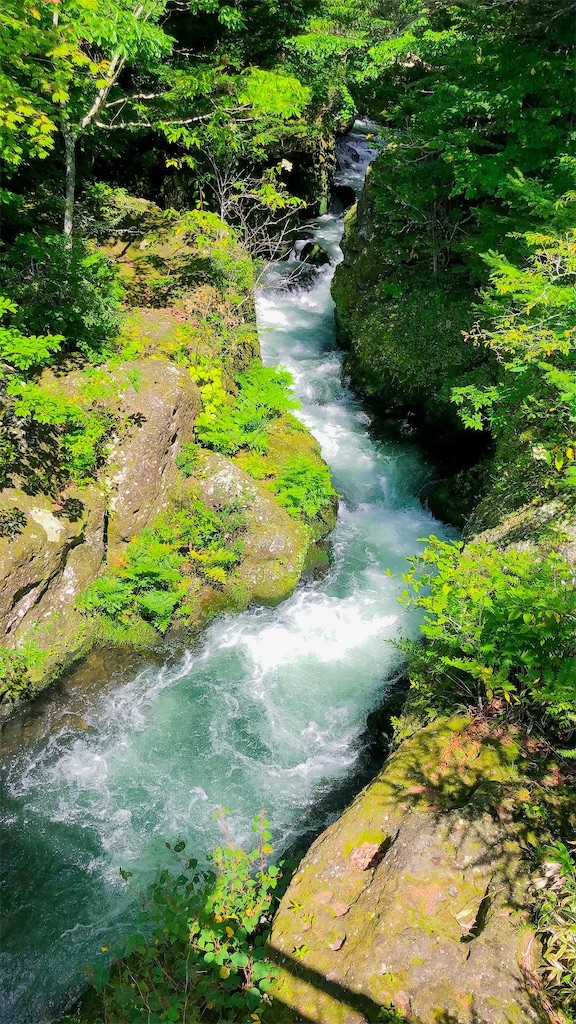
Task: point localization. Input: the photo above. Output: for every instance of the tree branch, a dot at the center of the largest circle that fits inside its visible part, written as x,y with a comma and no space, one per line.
150,124
116,65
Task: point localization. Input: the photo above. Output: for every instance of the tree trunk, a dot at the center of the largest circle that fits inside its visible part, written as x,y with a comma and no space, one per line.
70,147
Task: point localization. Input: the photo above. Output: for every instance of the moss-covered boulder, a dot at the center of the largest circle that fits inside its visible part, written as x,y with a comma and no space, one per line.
401,324
57,554
314,254
36,563
416,900
158,415
275,545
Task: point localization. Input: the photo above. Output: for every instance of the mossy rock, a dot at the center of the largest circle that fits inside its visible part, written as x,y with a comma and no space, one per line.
43,569
436,928
289,438
275,544
402,326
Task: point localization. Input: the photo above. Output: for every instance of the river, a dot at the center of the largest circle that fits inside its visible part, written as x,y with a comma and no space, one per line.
268,710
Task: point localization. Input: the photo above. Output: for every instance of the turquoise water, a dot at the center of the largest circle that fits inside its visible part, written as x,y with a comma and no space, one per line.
267,711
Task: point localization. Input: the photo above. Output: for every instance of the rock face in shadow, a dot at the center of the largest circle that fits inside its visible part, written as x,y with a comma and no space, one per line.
415,900
314,254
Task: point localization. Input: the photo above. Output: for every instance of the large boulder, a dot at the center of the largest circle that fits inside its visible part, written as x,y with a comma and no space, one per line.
159,413
275,545
415,901
40,566
314,254
57,554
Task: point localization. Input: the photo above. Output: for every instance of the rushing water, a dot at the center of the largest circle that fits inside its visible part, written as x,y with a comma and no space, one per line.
268,710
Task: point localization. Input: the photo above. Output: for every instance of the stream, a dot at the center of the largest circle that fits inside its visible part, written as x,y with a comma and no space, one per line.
268,710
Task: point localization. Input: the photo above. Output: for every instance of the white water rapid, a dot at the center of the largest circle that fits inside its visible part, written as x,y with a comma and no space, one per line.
268,710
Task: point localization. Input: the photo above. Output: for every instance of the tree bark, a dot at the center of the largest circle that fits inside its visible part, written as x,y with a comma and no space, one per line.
70,148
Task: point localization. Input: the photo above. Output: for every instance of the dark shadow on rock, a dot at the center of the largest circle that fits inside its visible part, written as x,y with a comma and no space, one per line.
365,1009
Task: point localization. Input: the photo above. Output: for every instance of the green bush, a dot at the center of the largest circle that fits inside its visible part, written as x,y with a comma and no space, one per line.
15,665
77,435
20,352
149,584
201,954
62,288
497,624
303,487
228,424
187,458
528,312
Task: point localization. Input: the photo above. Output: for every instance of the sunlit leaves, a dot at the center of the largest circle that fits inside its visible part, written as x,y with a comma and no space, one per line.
497,624
206,959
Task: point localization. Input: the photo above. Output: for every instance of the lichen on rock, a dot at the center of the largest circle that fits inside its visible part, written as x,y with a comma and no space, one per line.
434,925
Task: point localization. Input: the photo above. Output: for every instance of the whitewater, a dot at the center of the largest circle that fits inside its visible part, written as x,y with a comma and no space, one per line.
267,710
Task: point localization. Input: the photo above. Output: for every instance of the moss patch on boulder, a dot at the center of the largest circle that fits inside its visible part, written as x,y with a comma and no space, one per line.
436,927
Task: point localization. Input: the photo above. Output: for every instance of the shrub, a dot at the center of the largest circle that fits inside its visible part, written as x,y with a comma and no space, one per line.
228,424
303,487
498,624
527,321
63,288
556,924
150,583
206,957
20,352
79,434
187,458
15,665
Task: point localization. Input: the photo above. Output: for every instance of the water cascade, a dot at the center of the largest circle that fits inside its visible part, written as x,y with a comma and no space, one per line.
267,711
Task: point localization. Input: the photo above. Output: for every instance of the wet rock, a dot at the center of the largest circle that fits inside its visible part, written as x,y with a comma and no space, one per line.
439,929
343,197
314,254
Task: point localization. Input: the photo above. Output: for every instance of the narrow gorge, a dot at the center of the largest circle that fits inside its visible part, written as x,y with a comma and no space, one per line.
287,512
113,767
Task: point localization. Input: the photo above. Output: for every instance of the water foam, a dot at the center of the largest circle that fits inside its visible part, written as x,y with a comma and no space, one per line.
267,711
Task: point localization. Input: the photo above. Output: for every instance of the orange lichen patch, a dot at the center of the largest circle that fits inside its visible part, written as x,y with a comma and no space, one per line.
339,909
324,897
463,745
365,856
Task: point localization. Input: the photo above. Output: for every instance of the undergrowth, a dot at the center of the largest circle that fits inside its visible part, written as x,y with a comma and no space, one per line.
497,624
556,925
227,422
303,487
200,955
15,666
151,581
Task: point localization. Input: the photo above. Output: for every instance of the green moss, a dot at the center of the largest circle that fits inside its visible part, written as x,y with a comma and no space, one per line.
368,835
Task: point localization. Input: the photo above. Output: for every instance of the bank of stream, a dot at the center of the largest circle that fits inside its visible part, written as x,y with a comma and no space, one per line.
268,710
